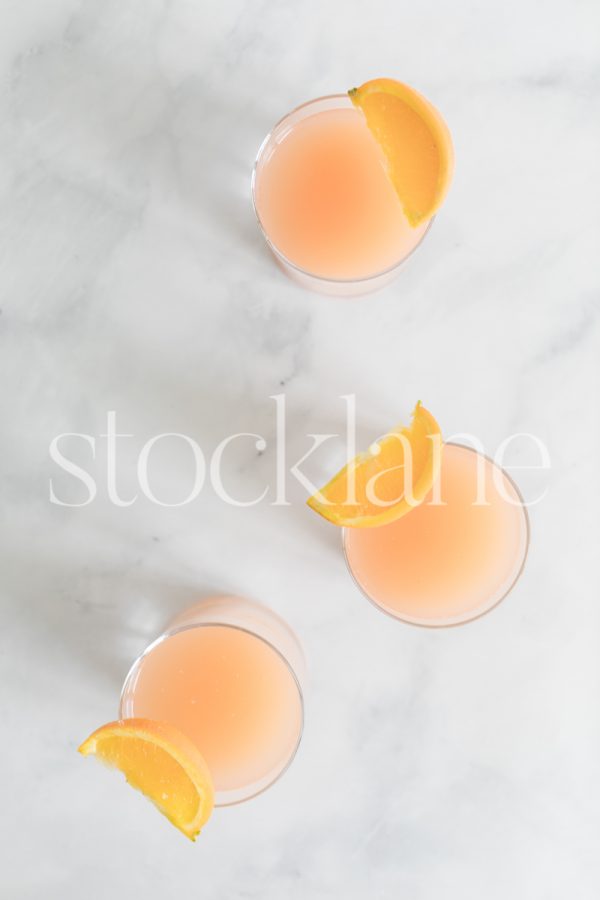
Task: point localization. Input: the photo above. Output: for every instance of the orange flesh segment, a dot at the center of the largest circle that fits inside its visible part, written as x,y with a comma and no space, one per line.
416,143
379,477
163,764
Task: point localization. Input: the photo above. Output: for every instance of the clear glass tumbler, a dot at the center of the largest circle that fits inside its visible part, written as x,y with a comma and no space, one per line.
454,557
408,238
227,672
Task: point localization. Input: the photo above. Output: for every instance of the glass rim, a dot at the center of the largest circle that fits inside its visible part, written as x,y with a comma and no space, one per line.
363,279
171,632
433,624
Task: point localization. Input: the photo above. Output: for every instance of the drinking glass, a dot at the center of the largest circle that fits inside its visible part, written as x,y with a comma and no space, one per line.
227,672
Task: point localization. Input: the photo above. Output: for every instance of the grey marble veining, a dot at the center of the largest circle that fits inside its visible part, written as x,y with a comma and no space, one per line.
461,764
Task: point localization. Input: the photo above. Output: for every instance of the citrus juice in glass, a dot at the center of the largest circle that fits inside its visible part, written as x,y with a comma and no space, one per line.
211,713
225,673
451,558
434,534
345,187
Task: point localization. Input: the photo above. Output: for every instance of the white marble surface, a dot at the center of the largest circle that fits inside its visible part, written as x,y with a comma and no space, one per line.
461,764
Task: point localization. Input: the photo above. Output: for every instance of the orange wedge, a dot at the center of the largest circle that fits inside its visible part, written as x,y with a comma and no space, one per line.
416,143
391,478
163,764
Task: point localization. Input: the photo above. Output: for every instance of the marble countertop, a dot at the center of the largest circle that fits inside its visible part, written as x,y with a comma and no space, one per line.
462,763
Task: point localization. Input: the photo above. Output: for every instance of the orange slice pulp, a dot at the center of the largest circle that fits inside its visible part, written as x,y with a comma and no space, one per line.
394,475
416,143
163,764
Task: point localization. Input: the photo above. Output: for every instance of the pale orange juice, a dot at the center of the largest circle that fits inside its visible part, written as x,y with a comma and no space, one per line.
228,689
324,199
445,563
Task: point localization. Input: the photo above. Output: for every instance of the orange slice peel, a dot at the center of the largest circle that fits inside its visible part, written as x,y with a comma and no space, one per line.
416,143
162,763
387,481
